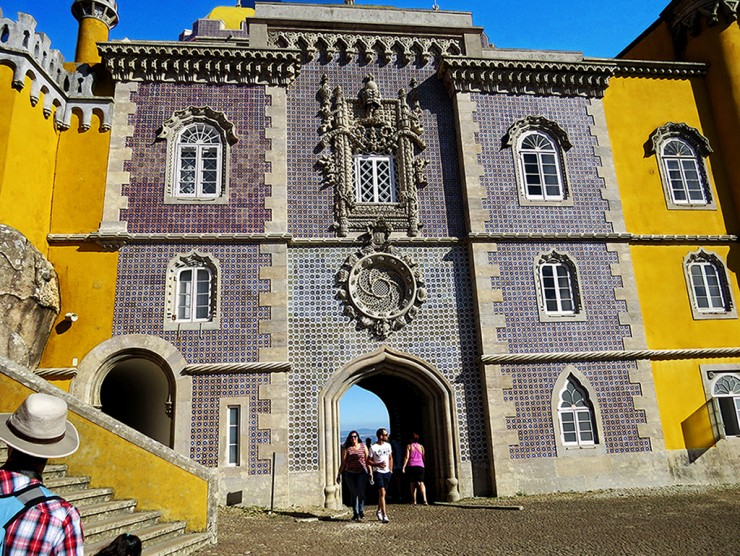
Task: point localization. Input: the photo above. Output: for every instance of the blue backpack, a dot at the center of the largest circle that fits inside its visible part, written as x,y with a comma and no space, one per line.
15,504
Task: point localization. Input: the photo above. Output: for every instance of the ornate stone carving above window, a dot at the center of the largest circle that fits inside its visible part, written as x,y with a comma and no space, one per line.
373,145
380,288
192,302
197,166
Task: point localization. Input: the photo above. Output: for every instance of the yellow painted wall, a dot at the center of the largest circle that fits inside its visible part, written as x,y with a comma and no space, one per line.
655,43
232,17
28,146
635,107
131,471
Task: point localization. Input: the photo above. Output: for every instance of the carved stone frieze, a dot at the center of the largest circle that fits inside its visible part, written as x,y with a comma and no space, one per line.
370,125
536,122
30,55
526,77
200,63
685,131
367,48
689,17
381,289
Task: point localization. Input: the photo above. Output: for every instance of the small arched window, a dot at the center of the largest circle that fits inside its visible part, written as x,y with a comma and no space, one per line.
558,292
199,162
192,296
575,413
681,151
726,393
709,289
539,164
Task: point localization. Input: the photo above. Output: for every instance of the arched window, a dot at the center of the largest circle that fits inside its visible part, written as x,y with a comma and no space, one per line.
575,413
557,287
198,162
709,290
192,300
681,151
726,392
539,162
198,152
375,179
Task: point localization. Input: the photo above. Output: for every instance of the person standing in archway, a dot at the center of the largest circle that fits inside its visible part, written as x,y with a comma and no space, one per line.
381,458
415,460
354,469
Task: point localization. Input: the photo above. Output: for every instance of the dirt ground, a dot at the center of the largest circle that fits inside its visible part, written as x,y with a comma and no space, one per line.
677,520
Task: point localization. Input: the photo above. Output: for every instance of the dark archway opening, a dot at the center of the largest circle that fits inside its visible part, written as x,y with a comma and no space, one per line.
136,392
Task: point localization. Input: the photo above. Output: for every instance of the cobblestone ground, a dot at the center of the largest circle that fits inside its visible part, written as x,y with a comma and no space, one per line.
678,520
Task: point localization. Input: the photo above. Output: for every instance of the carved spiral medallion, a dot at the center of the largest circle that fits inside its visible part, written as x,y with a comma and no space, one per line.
381,290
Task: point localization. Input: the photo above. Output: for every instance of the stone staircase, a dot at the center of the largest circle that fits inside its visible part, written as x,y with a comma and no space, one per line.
104,517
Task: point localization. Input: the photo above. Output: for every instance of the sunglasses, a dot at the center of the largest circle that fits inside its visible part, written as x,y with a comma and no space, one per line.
353,436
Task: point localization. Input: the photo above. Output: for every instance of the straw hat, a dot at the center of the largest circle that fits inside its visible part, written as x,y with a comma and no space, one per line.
39,428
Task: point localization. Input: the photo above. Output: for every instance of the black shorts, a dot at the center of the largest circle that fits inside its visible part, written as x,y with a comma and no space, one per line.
415,474
382,480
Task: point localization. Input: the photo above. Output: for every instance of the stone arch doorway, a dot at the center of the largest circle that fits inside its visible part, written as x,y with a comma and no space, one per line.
134,379
418,398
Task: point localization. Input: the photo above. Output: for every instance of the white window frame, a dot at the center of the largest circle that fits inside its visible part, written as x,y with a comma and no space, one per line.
233,435
712,375
556,260
579,448
199,170
539,153
698,147
701,260
375,160
189,301
194,261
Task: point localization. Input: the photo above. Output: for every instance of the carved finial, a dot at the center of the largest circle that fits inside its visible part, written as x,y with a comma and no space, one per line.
370,94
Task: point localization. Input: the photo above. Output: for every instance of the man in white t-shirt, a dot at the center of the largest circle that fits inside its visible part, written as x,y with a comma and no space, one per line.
381,459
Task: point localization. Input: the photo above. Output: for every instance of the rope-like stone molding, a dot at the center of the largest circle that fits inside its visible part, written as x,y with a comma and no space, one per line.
58,373
607,236
626,355
231,368
220,63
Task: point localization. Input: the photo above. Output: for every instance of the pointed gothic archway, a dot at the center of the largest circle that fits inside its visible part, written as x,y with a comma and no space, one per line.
418,398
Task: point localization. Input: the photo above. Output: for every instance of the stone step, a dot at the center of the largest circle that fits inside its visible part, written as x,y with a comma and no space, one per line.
180,546
110,527
63,485
100,510
151,534
80,498
54,471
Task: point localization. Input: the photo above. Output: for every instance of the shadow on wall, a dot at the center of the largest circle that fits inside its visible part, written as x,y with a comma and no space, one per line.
697,432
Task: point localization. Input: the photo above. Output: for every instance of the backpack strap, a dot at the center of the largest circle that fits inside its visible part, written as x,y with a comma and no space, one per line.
29,497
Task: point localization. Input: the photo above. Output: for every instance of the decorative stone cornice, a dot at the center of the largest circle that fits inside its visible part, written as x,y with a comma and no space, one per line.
598,236
672,129
214,63
649,68
30,55
367,48
102,10
624,355
526,77
689,17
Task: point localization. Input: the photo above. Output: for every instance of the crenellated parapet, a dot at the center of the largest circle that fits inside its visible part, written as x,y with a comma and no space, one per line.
178,62
102,10
30,55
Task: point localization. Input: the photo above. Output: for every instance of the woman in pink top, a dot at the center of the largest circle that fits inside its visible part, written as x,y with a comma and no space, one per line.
414,459
354,470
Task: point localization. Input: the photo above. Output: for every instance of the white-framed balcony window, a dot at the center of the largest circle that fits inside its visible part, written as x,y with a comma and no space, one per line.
375,179
576,416
539,164
199,162
233,440
194,294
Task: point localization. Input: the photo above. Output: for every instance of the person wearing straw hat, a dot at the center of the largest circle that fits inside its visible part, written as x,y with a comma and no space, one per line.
46,524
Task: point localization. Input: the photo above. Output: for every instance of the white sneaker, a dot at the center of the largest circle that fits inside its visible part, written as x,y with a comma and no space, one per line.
380,515
385,519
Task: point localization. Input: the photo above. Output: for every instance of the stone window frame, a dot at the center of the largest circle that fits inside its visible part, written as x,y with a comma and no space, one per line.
225,404
701,148
702,256
559,138
710,375
579,313
171,132
193,259
572,373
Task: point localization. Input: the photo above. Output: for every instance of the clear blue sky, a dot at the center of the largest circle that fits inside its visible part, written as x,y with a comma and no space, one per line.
360,409
596,28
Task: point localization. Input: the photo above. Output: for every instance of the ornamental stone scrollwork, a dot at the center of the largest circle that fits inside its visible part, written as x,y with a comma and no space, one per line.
537,123
685,131
689,17
526,77
198,63
381,289
372,126
367,48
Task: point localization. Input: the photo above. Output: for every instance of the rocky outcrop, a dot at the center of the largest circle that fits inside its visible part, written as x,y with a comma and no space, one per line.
29,298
